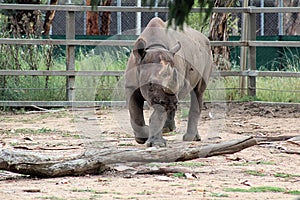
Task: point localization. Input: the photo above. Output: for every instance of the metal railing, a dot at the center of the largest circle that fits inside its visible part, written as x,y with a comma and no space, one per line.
248,43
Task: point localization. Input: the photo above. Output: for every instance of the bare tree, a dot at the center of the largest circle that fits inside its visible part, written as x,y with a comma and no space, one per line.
92,21
292,20
219,32
50,14
25,22
105,19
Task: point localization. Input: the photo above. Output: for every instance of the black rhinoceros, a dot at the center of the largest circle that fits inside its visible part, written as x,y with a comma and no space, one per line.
165,66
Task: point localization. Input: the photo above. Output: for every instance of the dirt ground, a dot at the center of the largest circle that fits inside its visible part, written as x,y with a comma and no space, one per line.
267,171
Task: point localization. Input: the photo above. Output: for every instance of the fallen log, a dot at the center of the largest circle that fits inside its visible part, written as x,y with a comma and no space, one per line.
97,161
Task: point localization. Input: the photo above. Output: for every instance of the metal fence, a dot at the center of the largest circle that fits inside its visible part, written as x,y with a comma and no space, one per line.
247,43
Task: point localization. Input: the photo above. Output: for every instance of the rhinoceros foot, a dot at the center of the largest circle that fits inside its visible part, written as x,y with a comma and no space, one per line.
141,140
141,134
191,137
156,142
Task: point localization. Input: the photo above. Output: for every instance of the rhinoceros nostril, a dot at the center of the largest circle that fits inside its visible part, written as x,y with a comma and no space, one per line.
151,87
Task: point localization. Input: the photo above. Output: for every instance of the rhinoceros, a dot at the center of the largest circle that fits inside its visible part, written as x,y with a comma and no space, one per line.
164,66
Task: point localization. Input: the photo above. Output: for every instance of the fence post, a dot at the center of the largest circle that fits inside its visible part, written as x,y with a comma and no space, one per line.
252,56
70,55
243,51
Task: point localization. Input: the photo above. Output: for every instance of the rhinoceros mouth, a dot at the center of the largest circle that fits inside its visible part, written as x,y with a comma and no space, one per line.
158,96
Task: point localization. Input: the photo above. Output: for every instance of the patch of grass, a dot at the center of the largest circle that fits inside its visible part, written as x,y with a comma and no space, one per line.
84,190
255,173
294,192
176,185
275,89
263,189
255,163
187,164
179,175
75,136
145,192
95,196
170,133
219,195
184,113
51,198
13,144
278,89
249,98
256,189
28,131
266,163
284,175
126,145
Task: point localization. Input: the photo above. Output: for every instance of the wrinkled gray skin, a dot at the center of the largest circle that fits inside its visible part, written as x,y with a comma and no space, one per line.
165,66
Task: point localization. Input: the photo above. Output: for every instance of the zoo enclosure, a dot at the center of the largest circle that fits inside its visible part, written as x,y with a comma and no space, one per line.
247,43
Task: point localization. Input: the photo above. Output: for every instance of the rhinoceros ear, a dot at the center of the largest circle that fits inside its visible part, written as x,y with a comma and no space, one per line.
139,49
176,48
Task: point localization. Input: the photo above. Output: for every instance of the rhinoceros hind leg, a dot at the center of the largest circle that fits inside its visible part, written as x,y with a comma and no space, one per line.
194,113
170,122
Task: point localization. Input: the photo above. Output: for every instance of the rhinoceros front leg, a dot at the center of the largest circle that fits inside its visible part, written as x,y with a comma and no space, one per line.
157,121
136,104
194,113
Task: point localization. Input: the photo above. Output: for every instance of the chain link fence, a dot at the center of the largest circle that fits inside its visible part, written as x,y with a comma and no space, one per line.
121,23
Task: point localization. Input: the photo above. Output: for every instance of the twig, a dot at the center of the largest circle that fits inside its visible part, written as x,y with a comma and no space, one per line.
42,110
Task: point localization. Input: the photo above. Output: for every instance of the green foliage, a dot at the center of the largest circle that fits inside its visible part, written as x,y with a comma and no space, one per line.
179,11
288,60
29,57
278,89
103,88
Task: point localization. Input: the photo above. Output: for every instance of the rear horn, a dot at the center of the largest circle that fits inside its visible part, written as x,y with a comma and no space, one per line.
176,48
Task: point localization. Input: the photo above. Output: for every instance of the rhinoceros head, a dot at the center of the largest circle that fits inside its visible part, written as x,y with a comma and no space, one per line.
157,74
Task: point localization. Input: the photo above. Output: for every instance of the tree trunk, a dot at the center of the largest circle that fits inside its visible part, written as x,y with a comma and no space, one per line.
95,161
218,32
292,19
92,23
105,19
50,14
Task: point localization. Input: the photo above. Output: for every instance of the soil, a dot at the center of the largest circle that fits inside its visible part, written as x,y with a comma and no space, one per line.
273,166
